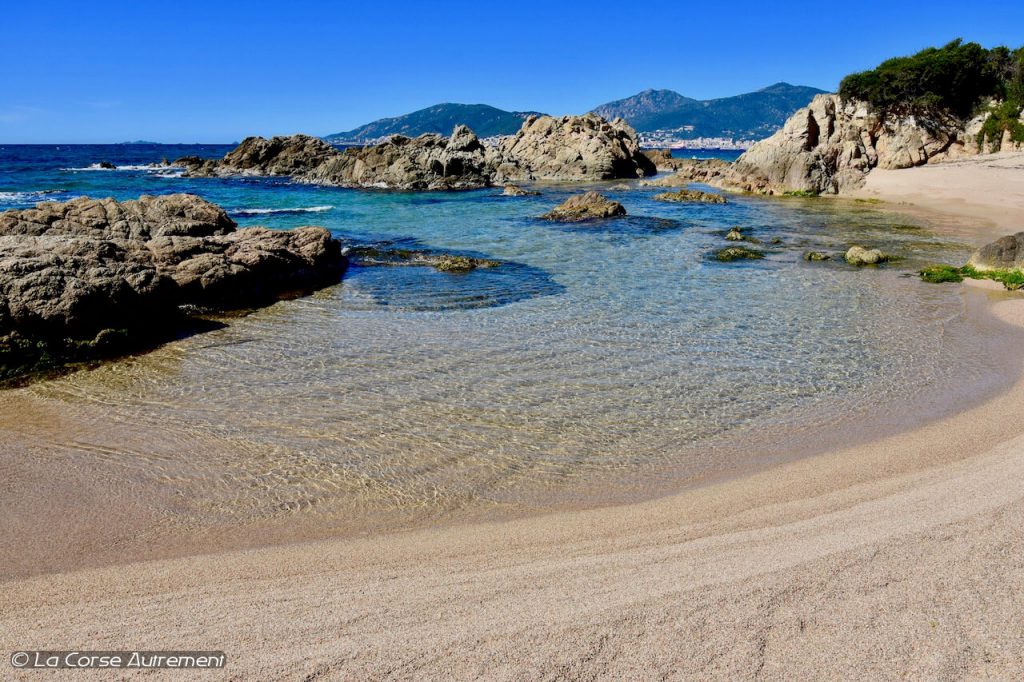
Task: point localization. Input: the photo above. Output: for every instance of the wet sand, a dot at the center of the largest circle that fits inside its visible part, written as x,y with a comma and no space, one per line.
898,558
902,557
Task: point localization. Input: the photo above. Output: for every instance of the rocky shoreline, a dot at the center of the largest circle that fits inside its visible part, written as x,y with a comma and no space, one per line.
90,278
830,146
566,149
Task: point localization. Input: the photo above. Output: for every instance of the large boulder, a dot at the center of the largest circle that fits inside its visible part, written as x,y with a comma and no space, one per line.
1005,253
71,272
427,162
281,155
573,148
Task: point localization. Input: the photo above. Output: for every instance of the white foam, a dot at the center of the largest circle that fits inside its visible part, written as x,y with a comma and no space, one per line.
277,211
18,198
90,167
147,167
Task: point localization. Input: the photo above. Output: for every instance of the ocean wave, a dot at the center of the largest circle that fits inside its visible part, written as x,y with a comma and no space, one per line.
147,167
90,167
31,198
244,212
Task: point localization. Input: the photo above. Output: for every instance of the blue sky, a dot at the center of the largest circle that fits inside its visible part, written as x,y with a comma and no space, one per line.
209,71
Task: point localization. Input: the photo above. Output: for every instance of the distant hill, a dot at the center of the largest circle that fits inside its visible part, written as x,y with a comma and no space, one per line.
441,118
753,115
750,116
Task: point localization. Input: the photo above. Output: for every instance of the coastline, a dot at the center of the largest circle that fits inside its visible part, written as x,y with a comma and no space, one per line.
983,188
797,569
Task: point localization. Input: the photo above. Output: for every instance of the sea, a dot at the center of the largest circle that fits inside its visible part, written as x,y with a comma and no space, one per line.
601,362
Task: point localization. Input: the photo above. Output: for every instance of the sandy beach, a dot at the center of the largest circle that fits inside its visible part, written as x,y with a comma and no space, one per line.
793,573
902,558
988,188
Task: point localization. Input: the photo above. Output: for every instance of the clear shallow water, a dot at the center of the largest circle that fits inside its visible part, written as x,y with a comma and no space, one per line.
602,361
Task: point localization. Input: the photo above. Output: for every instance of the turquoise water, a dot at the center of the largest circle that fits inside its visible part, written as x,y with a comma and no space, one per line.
600,361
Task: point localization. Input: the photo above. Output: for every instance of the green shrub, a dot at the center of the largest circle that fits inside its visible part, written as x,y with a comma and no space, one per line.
1004,117
950,80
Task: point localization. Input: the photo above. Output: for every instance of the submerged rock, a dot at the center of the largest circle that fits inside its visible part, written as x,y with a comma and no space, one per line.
70,272
588,206
858,255
517,191
690,196
451,263
387,254
816,256
737,253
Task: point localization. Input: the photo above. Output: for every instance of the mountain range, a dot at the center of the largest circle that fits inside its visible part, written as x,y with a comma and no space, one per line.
752,115
749,116
485,121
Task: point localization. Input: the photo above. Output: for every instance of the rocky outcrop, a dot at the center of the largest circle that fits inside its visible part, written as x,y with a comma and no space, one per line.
427,162
291,155
831,145
76,272
572,148
587,206
1005,253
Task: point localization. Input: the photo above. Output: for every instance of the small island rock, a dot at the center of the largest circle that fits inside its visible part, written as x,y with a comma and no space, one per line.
588,206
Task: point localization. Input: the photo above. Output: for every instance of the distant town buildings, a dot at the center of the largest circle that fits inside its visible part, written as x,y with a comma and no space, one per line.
675,139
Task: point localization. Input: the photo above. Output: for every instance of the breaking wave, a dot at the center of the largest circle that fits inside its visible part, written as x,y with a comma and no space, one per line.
244,212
